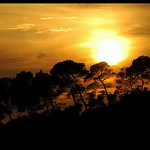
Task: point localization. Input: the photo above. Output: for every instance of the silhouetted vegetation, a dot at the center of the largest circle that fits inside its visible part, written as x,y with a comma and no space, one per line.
35,96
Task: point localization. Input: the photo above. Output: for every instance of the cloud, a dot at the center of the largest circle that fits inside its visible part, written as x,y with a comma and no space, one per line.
54,30
11,60
41,55
61,29
40,31
74,17
136,29
47,18
23,27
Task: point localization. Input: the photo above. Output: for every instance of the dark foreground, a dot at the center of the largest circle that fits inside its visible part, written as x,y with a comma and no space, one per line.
131,112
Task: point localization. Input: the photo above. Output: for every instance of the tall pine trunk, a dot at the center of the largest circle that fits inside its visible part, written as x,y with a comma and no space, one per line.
84,103
45,103
51,102
71,90
104,88
142,84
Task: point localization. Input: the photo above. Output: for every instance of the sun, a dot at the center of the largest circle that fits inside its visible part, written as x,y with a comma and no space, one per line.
107,45
112,50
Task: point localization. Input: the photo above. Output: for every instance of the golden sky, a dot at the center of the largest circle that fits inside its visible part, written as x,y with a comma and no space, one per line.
37,36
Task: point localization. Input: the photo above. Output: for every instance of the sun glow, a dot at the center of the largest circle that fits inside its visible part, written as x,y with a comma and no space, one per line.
111,50
107,46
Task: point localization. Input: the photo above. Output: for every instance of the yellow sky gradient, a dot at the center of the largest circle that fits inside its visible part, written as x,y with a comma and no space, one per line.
37,36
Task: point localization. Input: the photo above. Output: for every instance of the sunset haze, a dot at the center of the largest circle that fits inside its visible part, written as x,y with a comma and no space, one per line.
37,36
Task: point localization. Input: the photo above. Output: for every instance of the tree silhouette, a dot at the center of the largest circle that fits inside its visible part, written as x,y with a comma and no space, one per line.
44,87
3,112
22,93
5,97
91,99
134,103
126,79
27,93
140,68
69,71
100,72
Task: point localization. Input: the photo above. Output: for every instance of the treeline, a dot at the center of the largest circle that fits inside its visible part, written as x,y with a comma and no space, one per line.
36,95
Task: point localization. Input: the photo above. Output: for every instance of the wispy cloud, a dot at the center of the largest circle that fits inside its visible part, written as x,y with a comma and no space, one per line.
47,18
40,31
60,29
12,60
54,30
74,17
41,55
23,27
136,29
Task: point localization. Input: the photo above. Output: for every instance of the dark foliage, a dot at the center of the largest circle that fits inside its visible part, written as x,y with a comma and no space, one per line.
132,108
28,93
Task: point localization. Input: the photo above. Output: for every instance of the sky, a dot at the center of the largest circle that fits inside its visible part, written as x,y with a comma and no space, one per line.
37,36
